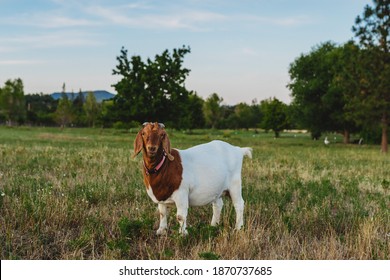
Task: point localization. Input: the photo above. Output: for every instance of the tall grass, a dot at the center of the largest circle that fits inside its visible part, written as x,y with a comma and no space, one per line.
76,194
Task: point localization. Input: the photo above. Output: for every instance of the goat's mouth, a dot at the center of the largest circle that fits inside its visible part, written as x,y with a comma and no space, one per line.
152,154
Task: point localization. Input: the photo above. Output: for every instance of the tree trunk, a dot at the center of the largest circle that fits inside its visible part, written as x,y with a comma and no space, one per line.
385,124
346,137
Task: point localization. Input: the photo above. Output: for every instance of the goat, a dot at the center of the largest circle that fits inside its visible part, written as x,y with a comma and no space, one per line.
193,177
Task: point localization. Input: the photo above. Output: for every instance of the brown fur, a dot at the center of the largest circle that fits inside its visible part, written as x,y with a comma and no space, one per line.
167,180
169,176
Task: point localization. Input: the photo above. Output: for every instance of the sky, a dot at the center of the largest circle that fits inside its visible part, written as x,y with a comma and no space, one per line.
240,50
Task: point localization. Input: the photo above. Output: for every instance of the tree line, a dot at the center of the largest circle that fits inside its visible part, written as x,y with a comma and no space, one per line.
346,88
334,88
16,108
43,110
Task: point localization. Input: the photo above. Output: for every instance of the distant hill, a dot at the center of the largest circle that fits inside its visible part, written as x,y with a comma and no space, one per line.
100,95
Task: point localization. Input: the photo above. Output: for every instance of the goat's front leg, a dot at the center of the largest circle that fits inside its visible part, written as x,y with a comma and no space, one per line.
182,210
163,210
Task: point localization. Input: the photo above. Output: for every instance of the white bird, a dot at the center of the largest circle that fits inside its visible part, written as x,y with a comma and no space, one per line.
326,141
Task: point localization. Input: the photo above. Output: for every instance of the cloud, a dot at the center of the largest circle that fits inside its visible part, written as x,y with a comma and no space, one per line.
63,21
47,20
153,18
287,21
20,62
49,40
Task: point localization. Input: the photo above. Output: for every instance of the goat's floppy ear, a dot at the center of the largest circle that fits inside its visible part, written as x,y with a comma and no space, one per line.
167,147
138,144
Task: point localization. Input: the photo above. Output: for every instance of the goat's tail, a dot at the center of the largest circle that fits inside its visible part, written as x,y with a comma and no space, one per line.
247,151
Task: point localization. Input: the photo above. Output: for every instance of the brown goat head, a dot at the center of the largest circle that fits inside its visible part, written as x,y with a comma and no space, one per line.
151,140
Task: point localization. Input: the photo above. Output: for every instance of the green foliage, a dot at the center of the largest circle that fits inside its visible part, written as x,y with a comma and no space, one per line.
91,109
312,76
64,113
154,90
247,116
212,110
274,116
12,105
372,30
40,109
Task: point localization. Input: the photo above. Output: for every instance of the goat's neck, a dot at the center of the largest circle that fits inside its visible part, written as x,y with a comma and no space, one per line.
151,163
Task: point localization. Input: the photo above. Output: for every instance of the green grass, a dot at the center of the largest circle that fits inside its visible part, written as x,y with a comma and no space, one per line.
77,194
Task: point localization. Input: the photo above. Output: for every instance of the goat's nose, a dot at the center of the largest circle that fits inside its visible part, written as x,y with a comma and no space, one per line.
152,148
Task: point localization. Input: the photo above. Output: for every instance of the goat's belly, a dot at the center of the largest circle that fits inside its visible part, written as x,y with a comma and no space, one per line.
200,198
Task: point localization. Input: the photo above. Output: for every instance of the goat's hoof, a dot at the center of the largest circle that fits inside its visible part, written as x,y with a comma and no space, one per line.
238,228
161,231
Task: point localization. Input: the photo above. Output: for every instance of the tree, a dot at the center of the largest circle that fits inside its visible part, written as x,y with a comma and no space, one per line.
91,109
64,112
245,115
319,83
153,90
78,108
212,110
195,105
346,84
311,76
274,115
372,30
12,104
40,109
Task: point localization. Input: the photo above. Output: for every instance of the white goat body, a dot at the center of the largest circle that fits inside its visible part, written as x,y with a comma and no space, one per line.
209,171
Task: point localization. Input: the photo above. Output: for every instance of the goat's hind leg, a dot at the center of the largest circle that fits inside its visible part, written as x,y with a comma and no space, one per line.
238,202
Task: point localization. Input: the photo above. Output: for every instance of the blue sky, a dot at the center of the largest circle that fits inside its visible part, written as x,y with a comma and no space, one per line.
239,49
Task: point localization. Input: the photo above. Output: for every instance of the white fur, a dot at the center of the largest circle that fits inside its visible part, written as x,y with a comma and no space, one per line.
208,171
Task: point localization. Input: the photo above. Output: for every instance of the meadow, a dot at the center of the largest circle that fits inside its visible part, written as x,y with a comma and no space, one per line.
77,194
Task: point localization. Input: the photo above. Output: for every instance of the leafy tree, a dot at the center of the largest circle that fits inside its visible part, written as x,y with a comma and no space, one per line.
345,84
78,108
40,109
12,104
245,116
195,105
320,80
373,98
107,116
274,115
153,90
91,109
64,113
311,76
212,110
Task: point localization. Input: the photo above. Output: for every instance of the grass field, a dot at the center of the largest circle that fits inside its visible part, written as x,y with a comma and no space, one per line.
76,194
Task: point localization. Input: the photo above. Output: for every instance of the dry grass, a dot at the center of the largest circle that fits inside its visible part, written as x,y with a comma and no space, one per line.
77,195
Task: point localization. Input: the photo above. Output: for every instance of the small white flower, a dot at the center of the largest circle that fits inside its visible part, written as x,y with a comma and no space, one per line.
2,194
